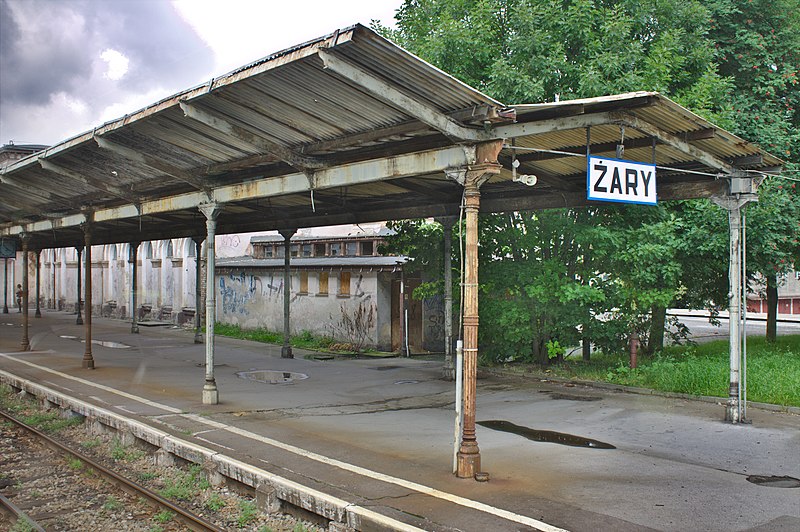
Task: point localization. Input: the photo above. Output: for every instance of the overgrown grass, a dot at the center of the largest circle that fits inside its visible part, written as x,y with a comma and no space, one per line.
187,485
304,340
773,370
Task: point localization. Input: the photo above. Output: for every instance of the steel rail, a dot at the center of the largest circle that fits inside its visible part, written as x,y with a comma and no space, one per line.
9,508
192,521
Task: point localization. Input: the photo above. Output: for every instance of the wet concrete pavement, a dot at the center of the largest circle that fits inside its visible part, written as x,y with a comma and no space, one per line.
379,431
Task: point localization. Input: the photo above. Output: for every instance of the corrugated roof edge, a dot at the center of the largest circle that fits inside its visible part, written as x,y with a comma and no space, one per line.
341,36
299,262
522,109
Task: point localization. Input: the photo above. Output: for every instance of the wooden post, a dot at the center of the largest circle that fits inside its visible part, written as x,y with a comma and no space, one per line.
25,345
286,350
88,359
472,177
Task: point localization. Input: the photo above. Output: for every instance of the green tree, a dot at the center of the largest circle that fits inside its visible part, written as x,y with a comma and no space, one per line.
739,71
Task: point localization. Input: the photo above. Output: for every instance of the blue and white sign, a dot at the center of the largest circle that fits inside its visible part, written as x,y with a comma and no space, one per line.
621,181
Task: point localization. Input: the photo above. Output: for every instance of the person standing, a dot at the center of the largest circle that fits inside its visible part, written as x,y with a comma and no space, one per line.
19,297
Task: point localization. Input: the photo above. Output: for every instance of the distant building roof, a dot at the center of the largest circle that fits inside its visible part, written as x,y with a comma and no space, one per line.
297,237
314,262
28,148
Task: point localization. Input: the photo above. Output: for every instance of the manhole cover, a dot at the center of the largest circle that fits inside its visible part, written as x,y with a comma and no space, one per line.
406,382
271,376
774,482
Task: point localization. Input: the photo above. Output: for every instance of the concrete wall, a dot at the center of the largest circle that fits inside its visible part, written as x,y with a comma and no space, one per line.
253,298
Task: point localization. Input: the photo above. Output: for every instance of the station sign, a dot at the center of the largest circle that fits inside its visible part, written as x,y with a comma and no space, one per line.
621,181
8,248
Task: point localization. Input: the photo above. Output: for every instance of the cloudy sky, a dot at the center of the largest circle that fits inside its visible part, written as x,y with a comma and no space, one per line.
67,66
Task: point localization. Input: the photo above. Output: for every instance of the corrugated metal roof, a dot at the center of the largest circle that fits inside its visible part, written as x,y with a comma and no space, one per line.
261,137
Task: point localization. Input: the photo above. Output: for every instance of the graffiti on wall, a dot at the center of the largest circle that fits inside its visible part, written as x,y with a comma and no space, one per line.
237,290
434,310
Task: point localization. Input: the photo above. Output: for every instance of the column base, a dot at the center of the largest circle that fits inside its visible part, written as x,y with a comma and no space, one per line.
135,330
87,362
468,461
198,338
38,314
25,346
286,352
79,321
448,369
732,411
210,393
5,310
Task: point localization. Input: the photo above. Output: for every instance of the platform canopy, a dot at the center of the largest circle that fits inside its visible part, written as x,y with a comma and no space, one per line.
346,128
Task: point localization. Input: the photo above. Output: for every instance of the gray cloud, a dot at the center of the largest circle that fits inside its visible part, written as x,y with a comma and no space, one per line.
50,54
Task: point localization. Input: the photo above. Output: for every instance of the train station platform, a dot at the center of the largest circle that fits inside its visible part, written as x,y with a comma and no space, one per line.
374,437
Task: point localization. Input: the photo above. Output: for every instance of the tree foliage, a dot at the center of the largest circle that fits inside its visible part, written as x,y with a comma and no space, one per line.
555,276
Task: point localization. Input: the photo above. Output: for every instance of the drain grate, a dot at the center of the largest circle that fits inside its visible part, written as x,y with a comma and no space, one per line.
774,481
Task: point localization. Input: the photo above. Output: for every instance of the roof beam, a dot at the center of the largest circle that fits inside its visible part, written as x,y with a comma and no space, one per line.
674,141
89,181
407,165
385,92
151,162
222,125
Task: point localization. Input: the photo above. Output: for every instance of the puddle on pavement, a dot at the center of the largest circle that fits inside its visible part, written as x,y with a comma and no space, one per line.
547,436
774,482
570,397
104,343
272,377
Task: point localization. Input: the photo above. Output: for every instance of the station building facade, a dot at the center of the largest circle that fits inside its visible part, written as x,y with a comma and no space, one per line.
338,277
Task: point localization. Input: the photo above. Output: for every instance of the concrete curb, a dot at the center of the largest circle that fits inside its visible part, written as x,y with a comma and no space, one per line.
342,514
640,391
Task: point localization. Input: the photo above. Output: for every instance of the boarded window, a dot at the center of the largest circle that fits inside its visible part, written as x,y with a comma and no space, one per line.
295,250
344,284
350,249
323,283
319,250
306,250
367,248
303,282
336,249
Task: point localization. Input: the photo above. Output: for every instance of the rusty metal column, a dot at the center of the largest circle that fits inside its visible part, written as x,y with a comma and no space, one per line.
211,211
38,313
468,458
449,368
5,285
286,350
133,259
79,319
198,308
88,359
25,345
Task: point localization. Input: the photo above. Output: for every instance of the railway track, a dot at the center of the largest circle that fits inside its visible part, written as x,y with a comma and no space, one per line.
30,458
